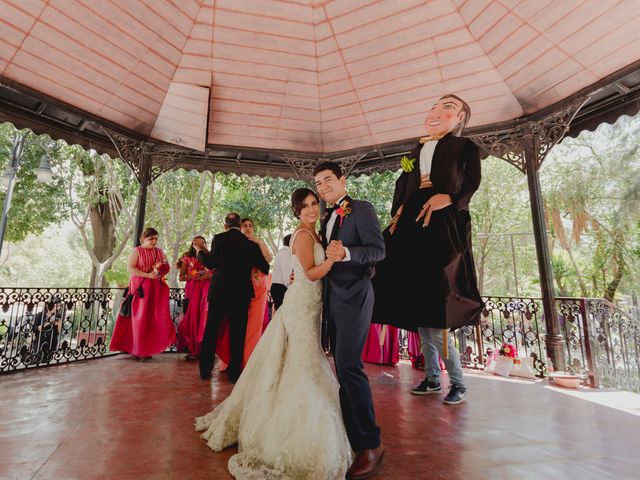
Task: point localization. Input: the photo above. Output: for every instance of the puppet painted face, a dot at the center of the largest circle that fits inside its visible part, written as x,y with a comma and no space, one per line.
443,117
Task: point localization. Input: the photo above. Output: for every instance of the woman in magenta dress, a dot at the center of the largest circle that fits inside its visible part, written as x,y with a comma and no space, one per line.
382,345
198,278
149,330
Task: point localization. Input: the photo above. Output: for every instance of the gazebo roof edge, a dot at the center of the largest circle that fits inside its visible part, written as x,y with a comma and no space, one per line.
613,96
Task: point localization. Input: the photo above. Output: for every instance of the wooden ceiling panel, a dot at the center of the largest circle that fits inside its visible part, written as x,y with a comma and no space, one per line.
328,75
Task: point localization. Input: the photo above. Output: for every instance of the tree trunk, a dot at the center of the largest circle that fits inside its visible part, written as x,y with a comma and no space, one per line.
583,286
612,286
102,220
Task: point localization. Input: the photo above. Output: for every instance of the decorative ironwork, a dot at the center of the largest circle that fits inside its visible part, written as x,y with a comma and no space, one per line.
509,144
510,320
347,163
164,159
41,327
133,152
129,150
177,307
389,163
303,167
614,340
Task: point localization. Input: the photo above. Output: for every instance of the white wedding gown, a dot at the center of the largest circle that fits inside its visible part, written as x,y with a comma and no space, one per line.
284,411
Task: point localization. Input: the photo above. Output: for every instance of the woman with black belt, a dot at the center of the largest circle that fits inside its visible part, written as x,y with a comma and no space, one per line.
427,281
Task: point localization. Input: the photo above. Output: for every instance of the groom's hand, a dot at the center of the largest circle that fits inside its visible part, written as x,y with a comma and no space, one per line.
335,251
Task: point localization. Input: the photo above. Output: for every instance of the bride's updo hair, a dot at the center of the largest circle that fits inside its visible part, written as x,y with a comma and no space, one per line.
297,200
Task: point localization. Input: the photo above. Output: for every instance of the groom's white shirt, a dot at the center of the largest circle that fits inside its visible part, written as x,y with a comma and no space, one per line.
329,228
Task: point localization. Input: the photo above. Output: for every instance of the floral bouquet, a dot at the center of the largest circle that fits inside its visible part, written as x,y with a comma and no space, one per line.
508,350
202,274
505,358
161,269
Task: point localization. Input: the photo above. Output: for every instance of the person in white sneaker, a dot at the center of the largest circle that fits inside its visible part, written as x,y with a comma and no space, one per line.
427,282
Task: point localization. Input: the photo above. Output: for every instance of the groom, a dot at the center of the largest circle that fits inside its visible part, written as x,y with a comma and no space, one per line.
350,231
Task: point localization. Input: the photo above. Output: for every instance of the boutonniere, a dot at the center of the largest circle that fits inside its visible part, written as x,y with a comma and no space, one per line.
407,164
343,210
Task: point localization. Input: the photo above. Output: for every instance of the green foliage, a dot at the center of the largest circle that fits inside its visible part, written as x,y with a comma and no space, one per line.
592,191
376,189
266,200
35,205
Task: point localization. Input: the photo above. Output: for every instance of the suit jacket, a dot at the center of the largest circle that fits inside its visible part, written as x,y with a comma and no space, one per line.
360,233
232,256
455,170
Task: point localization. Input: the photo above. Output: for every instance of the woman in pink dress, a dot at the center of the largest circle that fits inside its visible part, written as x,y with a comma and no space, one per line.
149,330
198,278
382,345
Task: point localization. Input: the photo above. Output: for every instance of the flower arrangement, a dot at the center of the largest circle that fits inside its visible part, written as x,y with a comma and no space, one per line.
407,164
343,210
161,269
508,350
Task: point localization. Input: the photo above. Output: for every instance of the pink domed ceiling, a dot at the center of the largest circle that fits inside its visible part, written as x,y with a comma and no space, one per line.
309,75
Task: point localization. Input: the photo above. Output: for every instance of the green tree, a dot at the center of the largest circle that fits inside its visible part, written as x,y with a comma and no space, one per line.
591,186
181,205
35,205
101,200
266,200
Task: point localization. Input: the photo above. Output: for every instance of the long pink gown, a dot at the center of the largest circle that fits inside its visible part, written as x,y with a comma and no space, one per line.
382,345
149,330
191,327
254,323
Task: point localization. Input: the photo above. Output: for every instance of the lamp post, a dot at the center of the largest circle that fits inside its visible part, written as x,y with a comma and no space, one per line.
8,178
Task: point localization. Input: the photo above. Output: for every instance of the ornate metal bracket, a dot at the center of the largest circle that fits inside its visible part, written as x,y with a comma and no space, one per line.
133,153
303,167
509,144
348,163
164,159
389,163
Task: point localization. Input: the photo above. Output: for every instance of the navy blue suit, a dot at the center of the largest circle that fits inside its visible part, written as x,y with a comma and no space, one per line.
348,305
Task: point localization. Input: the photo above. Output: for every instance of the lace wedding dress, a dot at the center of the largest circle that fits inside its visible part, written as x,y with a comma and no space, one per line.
284,411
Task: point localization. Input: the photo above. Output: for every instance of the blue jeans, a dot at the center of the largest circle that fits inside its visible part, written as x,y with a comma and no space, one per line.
432,344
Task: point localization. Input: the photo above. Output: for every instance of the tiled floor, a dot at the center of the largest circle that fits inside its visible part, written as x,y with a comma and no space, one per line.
116,418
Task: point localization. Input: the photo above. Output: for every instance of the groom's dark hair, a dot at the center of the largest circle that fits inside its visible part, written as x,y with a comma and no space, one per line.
333,167
232,220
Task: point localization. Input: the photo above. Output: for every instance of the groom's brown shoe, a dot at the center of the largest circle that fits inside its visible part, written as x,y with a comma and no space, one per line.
366,464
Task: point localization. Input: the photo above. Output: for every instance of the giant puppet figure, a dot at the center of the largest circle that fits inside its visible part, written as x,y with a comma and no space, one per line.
427,278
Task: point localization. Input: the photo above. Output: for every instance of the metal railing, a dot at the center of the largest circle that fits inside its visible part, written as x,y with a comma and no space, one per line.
48,326
517,321
602,342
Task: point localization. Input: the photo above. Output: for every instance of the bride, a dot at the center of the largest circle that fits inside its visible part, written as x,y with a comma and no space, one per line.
284,411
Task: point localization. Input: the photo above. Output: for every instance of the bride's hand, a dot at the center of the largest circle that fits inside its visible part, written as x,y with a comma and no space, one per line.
437,202
335,251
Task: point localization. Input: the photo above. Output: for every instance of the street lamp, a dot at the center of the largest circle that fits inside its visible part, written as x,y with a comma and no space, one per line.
8,178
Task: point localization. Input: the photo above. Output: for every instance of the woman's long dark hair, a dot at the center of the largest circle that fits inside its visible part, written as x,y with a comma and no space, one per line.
189,253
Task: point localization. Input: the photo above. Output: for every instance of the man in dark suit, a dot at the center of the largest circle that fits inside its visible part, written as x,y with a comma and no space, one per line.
351,233
232,256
